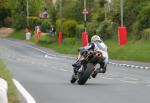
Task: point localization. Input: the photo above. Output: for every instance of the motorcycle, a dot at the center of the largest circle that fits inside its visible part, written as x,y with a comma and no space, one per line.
90,64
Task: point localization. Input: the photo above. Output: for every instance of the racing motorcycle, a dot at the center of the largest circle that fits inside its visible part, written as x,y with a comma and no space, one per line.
90,64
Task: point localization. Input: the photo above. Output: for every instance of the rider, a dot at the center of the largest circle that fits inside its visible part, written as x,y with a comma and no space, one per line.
96,45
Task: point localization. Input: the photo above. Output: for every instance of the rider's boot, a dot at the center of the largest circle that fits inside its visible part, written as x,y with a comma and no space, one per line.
102,69
76,67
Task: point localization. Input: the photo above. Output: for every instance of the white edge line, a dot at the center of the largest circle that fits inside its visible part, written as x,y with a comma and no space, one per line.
107,78
131,82
24,92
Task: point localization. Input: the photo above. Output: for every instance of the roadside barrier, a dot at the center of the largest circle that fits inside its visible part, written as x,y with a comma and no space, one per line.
3,91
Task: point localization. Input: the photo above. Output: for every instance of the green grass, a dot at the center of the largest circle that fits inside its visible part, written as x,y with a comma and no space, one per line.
69,46
18,35
134,50
4,73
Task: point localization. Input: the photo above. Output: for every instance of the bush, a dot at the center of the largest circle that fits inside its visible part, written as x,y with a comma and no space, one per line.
8,21
69,28
70,41
45,39
34,22
19,22
105,29
45,26
142,21
144,16
146,34
79,30
136,31
59,26
91,28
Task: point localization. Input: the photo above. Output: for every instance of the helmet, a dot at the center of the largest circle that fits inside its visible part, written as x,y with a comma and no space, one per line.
95,38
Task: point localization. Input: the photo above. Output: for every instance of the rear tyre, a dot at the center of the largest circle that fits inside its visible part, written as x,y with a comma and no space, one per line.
86,74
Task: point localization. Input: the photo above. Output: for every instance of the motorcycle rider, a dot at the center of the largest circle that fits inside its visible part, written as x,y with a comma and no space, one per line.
96,45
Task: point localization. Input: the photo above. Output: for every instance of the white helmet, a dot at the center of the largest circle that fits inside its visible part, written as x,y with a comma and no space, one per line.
95,38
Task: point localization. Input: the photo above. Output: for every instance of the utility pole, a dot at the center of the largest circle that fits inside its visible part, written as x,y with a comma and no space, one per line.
60,15
121,12
85,34
85,18
122,30
105,7
27,13
60,34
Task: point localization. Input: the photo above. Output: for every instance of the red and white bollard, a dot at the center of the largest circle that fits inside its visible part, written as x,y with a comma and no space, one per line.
60,38
84,39
122,35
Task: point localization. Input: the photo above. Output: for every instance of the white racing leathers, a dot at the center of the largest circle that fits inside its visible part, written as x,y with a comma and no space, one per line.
99,46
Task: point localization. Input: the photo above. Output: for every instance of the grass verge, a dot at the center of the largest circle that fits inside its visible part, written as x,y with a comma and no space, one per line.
4,73
134,50
69,46
17,35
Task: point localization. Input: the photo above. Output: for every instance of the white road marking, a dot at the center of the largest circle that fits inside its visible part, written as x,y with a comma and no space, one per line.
107,78
130,78
23,91
63,70
148,81
131,82
3,91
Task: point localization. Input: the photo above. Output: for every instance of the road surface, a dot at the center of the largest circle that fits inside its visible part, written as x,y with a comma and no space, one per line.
47,78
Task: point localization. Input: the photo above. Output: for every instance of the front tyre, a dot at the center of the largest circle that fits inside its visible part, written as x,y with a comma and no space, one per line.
86,74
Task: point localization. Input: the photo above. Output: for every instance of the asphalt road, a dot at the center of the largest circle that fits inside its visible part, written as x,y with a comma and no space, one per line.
47,78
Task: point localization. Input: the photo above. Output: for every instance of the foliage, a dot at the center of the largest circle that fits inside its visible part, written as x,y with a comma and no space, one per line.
144,16
105,29
5,13
34,22
91,27
73,10
59,24
45,26
45,39
70,41
69,28
79,30
136,15
19,14
146,34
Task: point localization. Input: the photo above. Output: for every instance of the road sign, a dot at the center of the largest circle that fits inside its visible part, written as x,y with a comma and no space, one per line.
85,11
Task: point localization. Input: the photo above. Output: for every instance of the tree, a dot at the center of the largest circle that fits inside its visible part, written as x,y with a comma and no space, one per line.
4,12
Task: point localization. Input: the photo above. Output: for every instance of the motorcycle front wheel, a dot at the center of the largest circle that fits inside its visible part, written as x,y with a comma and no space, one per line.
86,74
